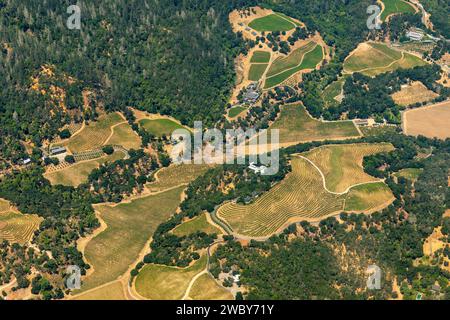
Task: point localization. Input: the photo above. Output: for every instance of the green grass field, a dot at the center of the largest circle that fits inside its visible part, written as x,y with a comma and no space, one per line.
310,61
125,136
159,282
272,22
291,61
129,227
199,223
235,111
395,6
206,288
79,172
411,174
296,125
160,127
95,134
256,71
333,90
17,227
372,59
301,196
342,164
260,57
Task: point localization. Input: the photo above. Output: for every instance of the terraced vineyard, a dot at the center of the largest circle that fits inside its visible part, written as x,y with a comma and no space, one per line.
18,228
342,164
302,196
95,134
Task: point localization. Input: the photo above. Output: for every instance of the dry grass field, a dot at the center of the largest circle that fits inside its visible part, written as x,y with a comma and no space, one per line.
176,175
95,134
159,282
124,136
205,288
112,291
16,227
199,223
416,92
129,227
296,125
342,164
431,121
78,173
302,195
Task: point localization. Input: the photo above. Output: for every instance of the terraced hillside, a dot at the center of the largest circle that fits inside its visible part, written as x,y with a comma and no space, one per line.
302,196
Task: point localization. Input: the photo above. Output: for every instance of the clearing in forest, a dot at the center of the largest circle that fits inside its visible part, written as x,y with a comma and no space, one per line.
129,226
199,223
235,111
78,173
411,174
158,282
334,91
302,195
372,58
296,126
431,121
272,22
395,7
342,164
95,134
16,227
123,135
160,127
206,288
413,93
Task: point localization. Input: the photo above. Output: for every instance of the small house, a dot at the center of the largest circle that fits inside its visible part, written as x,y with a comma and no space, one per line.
57,150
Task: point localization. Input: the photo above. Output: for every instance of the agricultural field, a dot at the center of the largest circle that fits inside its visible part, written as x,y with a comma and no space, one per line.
342,164
206,288
112,291
160,127
95,134
124,136
302,196
199,223
260,57
292,60
78,173
176,175
296,125
16,227
413,93
395,7
235,111
129,226
411,174
256,71
431,121
309,61
333,91
272,22
158,282
371,59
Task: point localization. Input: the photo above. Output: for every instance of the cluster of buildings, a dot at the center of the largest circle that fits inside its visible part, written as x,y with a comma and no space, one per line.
251,94
417,34
257,169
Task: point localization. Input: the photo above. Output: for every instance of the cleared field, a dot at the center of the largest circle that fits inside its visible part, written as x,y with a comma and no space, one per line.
310,61
302,196
431,121
234,112
129,227
124,136
159,282
342,164
368,197
372,58
260,57
256,71
95,134
4,205
205,288
334,90
113,291
199,223
395,6
296,125
160,127
79,172
272,22
176,175
409,173
292,60
17,227
416,92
